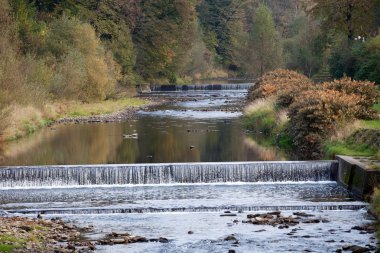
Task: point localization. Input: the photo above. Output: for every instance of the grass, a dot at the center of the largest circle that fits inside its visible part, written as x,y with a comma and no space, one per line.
373,124
340,145
16,243
23,121
104,107
343,148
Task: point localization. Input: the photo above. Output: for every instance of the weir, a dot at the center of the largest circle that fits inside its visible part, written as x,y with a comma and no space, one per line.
181,173
310,207
239,86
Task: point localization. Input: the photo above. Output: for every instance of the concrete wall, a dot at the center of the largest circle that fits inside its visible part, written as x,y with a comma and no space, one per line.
354,175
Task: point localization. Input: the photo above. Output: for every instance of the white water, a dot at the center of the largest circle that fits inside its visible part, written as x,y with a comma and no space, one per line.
50,176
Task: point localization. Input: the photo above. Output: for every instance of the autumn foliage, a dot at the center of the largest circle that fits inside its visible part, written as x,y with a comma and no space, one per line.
315,110
365,91
284,84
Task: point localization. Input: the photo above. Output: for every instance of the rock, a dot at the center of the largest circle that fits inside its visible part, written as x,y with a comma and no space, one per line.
275,213
358,228
330,241
346,247
231,251
163,240
190,232
312,221
358,249
71,247
300,214
230,238
135,239
228,215
26,228
117,240
250,216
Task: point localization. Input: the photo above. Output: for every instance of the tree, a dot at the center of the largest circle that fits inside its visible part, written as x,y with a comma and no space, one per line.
221,21
163,34
264,41
351,17
304,50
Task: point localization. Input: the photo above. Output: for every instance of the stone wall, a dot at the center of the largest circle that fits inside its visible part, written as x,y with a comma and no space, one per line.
356,177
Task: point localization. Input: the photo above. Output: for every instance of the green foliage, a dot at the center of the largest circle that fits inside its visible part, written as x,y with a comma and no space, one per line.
343,148
262,121
368,60
349,17
83,72
363,142
164,34
304,49
216,18
264,41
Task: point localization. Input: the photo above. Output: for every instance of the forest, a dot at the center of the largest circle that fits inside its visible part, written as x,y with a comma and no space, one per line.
86,51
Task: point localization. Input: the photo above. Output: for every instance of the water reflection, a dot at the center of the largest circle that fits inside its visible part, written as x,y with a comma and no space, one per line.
161,139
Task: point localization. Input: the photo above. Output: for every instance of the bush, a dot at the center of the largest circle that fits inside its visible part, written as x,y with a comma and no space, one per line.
285,84
85,72
366,95
314,115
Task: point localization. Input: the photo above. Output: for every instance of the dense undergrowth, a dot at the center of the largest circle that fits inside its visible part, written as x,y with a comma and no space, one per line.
313,121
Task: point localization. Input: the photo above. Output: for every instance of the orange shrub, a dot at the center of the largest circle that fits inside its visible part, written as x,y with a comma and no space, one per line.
285,84
314,115
366,94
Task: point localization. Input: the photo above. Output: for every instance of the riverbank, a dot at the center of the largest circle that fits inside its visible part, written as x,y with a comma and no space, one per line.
24,121
20,234
313,121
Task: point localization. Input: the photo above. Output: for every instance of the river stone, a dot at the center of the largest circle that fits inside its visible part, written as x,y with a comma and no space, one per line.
230,238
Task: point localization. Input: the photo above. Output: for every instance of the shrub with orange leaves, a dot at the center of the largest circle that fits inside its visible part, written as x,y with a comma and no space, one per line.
314,115
284,83
365,91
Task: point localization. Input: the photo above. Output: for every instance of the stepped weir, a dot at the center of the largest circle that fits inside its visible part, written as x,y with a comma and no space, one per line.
195,87
180,173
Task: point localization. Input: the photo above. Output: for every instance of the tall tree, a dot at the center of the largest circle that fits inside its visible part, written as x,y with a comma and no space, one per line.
220,19
264,41
304,50
352,17
164,32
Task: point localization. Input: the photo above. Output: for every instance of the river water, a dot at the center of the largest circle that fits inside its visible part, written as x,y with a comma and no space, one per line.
196,126
148,198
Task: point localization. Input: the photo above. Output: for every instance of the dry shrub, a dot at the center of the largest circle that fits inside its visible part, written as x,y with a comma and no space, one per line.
343,131
365,91
284,84
22,120
314,115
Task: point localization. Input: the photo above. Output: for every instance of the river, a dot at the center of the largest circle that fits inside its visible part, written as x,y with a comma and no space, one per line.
159,182
195,126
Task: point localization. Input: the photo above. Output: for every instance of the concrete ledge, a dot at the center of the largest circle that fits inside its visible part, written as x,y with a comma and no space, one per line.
358,179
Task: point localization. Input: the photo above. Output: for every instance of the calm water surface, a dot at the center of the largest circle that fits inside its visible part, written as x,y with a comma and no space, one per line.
197,126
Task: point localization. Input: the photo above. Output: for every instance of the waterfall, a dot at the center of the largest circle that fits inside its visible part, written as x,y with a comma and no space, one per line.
239,86
139,174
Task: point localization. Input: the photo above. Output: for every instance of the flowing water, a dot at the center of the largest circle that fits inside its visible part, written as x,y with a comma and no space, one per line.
191,162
